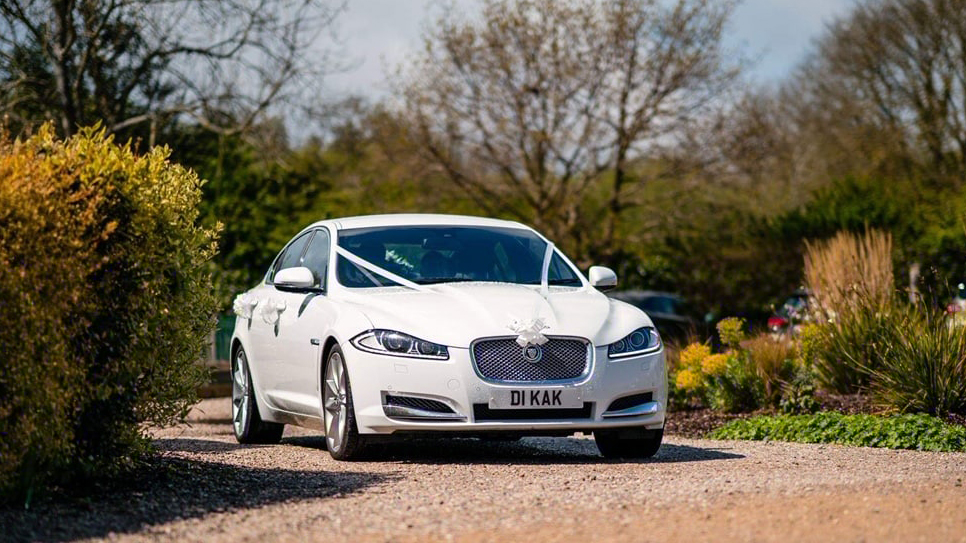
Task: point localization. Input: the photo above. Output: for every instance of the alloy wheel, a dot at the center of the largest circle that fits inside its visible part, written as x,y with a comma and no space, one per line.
239,393
335,404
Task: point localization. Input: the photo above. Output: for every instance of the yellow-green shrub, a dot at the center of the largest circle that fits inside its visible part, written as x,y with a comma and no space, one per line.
751,374
104,301
692,356
731,331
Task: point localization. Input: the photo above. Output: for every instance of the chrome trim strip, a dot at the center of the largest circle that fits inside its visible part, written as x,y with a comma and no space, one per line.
401,412
649,408
579,380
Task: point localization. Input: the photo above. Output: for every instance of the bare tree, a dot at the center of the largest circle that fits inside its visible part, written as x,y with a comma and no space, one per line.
897,68
538,103
223,63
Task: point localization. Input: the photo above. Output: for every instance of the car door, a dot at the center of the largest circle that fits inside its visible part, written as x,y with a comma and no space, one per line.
264,333
308,314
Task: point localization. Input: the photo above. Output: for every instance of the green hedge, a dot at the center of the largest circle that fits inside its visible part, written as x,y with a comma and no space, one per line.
921,432
105,303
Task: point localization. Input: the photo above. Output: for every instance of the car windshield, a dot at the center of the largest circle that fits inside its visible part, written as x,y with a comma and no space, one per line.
447,254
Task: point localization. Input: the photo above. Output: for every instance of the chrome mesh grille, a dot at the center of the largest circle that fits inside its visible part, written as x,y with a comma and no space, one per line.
501,359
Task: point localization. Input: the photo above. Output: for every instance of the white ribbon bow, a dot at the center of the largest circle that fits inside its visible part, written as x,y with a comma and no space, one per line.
244,304
271,309
529,330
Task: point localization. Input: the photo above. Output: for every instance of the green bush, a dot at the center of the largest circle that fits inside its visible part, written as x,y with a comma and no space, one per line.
846,351
921,432
921,364
738,389
105,303
798,394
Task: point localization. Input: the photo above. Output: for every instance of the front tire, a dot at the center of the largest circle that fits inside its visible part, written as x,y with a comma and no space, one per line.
338,412
628,442
246,420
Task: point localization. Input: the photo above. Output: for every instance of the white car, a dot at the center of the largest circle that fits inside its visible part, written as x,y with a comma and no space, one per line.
442,325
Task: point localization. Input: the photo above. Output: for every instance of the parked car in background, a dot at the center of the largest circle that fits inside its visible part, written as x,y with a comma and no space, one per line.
670,313
791,314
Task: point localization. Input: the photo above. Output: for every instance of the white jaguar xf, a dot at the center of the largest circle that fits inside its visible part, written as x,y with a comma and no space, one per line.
446,326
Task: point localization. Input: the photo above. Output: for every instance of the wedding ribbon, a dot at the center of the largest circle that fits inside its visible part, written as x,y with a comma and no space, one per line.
363,264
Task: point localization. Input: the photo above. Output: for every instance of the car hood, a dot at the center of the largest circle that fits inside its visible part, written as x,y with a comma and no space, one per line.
456,314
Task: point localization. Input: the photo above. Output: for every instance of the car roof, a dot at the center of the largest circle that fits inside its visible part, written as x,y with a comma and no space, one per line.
414,219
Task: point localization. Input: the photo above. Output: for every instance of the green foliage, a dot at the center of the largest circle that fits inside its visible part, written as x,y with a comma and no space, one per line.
732,331
845,351
106,305
716,247
798,395
922,432
926,222
739,389
921,364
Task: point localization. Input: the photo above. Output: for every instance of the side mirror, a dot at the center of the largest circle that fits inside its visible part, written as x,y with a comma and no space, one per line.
298,278
601,278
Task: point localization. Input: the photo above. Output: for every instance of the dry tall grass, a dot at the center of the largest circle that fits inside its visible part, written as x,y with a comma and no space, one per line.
849,269
773,361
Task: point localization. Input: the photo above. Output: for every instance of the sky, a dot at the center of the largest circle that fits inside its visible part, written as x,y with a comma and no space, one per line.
377,35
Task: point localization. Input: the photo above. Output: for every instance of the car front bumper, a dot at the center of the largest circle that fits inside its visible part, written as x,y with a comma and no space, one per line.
455,383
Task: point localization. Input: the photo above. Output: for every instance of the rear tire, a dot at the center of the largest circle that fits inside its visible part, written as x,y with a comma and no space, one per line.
338,412
628,442
246,420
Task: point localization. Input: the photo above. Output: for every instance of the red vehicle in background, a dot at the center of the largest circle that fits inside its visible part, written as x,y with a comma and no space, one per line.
789,317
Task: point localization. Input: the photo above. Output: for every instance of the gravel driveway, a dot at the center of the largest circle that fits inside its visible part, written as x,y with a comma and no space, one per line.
208,488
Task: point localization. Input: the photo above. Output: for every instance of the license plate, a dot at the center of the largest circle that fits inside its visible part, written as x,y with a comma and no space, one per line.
537,398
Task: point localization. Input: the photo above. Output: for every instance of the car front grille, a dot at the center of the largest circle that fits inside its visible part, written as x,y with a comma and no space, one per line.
501,359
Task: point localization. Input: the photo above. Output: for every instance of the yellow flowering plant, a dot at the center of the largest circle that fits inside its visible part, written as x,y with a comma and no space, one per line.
689,381
715,365
692,356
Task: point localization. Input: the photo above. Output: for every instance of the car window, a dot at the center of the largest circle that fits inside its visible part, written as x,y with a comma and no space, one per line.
317,257
292,256
443,254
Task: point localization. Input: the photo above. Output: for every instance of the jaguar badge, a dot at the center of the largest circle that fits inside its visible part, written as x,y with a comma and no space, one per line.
532,353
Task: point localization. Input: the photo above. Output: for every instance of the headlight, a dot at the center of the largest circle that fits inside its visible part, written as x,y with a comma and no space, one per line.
398,344
640,341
